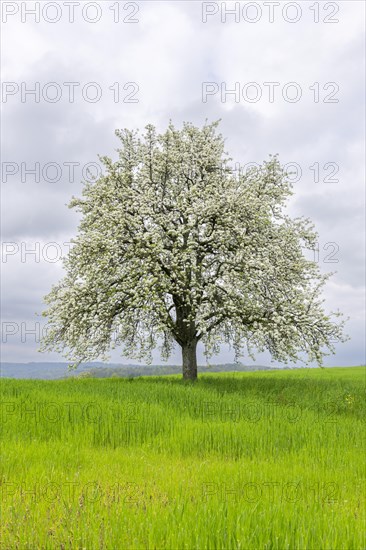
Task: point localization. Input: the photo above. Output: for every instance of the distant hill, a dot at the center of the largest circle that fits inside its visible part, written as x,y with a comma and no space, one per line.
54,371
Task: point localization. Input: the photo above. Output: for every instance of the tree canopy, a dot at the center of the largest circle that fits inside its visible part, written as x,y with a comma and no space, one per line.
174,246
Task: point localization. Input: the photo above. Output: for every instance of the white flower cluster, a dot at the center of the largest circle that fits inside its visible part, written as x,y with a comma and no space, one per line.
174,246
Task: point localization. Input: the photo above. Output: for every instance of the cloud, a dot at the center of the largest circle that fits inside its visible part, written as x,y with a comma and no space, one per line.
163,61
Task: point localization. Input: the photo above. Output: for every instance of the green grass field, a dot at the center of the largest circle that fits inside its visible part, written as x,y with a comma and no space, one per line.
264,460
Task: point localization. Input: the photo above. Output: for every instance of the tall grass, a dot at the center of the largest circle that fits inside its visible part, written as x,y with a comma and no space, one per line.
269,460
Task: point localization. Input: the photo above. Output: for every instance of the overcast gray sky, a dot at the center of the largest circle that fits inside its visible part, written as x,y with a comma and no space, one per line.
284,77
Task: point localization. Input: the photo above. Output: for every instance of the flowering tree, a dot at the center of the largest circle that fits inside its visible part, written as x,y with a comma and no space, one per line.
174,246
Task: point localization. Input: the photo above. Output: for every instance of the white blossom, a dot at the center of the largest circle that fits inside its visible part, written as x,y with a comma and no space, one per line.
174,246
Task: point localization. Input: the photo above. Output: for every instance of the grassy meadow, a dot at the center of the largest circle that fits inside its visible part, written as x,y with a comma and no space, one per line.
264,460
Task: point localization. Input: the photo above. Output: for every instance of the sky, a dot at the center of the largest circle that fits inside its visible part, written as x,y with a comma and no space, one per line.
283,77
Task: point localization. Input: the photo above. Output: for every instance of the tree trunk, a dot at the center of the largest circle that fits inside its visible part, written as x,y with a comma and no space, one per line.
189,356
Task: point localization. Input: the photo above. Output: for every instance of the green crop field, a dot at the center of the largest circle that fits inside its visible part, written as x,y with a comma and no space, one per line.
263,460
